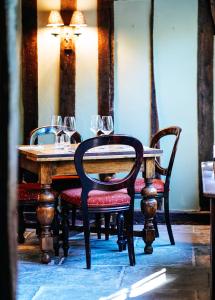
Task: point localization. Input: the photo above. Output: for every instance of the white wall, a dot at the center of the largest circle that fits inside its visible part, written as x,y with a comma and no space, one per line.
87,69
48,64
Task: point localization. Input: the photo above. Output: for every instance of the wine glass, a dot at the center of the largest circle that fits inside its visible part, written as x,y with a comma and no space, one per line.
69,126
56,123
107,124
96,124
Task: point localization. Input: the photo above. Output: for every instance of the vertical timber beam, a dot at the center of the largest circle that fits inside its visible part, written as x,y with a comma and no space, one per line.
29,66
154,111
105,19
205,89
9,95
67,64
212,3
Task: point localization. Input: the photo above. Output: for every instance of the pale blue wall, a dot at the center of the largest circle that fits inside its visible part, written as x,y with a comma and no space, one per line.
175,57
132,86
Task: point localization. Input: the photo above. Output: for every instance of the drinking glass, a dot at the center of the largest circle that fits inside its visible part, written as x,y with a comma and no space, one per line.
96,124
56,123
107,124
69,126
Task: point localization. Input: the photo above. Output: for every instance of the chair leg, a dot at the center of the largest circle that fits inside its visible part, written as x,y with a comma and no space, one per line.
87,238
130,236
21,225
167,219
107,226
73,217
98,225
38,229
120,227
65,229
113,221
55,226
156,226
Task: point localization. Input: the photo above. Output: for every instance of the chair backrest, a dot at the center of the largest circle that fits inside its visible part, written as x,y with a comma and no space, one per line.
172,130
40,131
89,183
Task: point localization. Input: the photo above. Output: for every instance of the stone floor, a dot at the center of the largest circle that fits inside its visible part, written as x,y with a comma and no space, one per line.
171,272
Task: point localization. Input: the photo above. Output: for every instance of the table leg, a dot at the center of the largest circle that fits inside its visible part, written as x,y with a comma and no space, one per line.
45,215
212,244
149,206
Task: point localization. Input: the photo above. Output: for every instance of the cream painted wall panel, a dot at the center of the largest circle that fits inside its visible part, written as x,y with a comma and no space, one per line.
48,63
132,85
175,43
87,68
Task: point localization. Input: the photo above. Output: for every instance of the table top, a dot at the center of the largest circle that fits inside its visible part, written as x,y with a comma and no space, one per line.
51,152
208,179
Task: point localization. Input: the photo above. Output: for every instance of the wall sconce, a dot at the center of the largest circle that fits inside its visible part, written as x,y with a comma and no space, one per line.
77,22
59,28
56,22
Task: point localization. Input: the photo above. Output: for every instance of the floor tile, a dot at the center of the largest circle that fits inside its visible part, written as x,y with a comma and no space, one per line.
179,272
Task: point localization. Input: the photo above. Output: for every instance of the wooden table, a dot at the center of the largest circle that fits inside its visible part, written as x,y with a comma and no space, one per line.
208,182
47,161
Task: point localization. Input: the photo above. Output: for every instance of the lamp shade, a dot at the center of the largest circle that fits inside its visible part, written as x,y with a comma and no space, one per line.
55,19
78,19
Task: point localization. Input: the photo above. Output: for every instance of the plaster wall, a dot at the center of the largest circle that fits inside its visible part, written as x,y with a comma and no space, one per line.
87,69
175,61
48,64
175,46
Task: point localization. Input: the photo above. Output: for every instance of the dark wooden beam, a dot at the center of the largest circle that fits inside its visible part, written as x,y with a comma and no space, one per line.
67,64
212,4
154,122
105,20
205,90
9,95
29,66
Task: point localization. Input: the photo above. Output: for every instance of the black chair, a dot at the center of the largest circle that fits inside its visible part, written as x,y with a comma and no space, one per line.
97,196
28,192
162,186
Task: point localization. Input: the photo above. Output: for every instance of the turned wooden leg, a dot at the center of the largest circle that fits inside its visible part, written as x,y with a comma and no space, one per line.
45,215
148,208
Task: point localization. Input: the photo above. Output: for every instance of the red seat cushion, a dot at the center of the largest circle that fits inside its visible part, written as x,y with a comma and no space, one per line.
140,183
60,177
29,186
29,191
97,198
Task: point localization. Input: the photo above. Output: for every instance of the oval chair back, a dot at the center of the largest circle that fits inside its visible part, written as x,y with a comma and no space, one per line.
41,131
89,183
